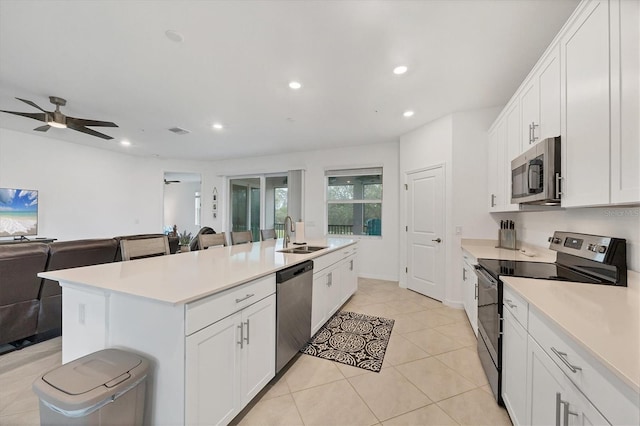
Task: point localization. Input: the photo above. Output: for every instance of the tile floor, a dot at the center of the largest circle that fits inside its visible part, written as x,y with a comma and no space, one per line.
431,374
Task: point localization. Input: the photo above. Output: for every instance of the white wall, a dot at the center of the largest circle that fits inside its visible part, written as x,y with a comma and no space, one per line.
87,192
179,206
459,142
378,256
621,222
91,193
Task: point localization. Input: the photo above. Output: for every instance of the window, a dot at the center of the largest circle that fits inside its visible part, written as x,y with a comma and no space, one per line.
354,201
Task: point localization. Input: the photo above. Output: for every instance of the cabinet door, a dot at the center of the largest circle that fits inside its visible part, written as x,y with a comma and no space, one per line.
333,283
530,112
585,103
546,388
492,171
514,368
625,102
549,95
259,347
348,278
319,301
512,148
212,373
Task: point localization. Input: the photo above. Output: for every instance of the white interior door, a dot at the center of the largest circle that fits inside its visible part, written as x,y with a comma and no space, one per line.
425,231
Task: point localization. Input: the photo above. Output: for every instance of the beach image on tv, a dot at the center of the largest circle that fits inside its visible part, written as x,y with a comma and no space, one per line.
18,212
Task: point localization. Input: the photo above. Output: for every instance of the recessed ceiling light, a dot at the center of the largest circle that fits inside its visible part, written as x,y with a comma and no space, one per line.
174,36
218,126
125,142
408,113
400,69
295,85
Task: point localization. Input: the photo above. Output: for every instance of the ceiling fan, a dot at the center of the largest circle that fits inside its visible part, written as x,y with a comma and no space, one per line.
59,120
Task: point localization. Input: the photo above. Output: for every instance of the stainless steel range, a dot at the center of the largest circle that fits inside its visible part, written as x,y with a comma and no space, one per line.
583,258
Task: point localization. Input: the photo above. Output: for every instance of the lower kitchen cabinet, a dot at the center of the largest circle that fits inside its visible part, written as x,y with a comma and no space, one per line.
470,290
514,368
229,362
552,397
334,281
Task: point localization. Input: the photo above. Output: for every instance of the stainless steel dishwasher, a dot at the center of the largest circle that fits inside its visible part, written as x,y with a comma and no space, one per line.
293,311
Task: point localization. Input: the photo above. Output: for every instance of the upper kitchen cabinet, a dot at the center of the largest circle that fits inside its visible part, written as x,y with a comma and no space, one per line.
540,101
584,51
625,97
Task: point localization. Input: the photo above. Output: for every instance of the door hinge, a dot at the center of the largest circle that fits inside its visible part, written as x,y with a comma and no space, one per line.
406,228
406,186
406,269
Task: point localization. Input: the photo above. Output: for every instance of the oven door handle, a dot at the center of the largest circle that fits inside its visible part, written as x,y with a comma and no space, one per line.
484,274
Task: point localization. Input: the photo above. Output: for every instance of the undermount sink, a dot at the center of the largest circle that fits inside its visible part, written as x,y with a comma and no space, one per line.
302,249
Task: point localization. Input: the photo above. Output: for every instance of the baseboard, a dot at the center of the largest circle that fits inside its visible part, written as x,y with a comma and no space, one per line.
379,277
453,304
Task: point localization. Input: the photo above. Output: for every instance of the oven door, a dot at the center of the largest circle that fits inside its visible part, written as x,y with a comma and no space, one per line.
489,312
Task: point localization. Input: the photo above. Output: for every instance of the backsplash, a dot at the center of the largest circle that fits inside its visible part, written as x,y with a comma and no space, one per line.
621,222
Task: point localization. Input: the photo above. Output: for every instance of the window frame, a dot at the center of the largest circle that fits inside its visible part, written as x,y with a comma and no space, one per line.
353,172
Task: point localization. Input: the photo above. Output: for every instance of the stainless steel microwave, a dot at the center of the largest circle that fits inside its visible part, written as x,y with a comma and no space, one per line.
535,175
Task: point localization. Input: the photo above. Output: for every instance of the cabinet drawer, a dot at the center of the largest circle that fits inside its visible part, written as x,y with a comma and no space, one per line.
322,262
516,305
203,312
615,400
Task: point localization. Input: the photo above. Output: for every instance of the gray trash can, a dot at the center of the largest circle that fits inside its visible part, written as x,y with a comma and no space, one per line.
105,387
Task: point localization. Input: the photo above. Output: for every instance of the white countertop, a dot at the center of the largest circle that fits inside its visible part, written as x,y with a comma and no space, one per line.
603,319
486,249
185,277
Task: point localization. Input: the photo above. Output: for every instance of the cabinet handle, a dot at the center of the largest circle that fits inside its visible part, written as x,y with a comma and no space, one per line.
476,296
533,131
246,339
245,298
241,343
464,274
530,137
330,279
563,358
501,319
509,302
558,182
351,267
493,200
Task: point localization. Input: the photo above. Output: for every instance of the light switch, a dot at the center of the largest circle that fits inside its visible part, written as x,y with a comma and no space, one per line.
458,230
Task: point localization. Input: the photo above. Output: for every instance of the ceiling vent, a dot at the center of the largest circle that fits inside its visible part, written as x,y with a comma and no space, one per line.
179,131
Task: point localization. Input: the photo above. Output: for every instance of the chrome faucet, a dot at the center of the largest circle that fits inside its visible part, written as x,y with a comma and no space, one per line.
287,231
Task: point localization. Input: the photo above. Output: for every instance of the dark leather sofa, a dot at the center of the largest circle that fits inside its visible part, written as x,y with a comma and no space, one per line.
30,306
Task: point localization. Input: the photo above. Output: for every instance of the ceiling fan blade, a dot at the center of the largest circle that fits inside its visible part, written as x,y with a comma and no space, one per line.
42,128
87,131
34,115
31,103
83,122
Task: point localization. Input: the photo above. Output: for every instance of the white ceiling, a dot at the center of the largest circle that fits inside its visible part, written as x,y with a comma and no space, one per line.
112,61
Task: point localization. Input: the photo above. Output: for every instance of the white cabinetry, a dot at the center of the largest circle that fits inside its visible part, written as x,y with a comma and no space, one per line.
585,126
496,190
625,100
334,281
514,358
229,362
547,378
504,145
540,101
470,289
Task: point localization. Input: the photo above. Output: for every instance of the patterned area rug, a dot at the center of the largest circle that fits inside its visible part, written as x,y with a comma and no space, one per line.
354,339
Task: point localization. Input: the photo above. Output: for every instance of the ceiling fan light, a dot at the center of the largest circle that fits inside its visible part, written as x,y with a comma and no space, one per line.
57,125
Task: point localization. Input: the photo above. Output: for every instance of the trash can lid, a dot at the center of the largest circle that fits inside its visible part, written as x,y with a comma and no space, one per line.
91,371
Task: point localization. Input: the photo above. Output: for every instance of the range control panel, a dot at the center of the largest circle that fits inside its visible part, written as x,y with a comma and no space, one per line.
592,247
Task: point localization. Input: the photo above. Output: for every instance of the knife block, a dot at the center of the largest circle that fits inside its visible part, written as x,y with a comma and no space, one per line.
507,239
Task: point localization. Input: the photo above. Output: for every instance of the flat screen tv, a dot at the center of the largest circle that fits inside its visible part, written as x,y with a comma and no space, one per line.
18,212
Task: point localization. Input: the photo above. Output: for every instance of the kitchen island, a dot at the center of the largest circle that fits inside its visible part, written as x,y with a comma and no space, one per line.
186,314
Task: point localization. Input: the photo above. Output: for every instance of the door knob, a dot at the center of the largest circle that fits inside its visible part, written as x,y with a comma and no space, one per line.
437,240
